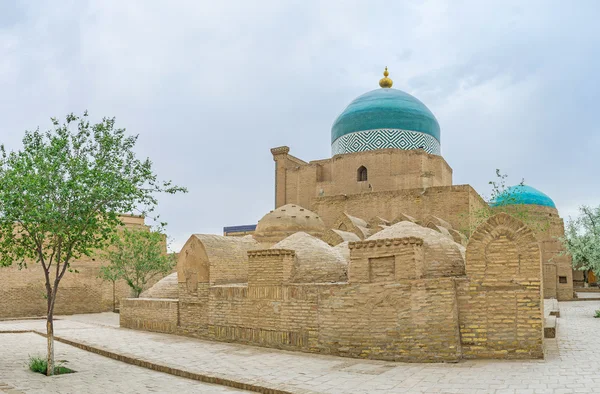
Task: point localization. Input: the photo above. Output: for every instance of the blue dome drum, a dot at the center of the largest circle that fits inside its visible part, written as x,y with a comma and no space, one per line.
522,195
385,118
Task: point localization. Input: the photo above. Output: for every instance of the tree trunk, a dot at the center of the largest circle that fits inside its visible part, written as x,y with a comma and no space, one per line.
50,337
114,298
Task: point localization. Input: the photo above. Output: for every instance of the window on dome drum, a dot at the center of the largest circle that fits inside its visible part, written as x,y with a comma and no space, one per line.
361,174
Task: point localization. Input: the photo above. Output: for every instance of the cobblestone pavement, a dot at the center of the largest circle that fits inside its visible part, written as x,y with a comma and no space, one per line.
572,363
95,374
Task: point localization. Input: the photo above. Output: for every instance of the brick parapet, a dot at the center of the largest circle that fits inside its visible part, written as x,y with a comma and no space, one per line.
158,315
385,242
386,260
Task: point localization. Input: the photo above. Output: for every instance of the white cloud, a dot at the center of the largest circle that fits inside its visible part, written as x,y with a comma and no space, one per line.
211,86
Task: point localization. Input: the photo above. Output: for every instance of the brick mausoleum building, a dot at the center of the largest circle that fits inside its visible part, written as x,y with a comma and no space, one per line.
372,253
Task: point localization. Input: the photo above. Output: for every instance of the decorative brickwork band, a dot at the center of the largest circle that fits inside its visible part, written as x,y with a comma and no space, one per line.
271,252
385,242
384,138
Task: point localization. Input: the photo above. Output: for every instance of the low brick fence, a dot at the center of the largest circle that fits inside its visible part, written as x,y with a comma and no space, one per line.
158,315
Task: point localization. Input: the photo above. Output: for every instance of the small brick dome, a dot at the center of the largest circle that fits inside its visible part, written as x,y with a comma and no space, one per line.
287,220
443,256
316,261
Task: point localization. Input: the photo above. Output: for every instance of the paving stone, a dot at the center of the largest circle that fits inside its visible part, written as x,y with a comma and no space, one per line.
95,374
571,365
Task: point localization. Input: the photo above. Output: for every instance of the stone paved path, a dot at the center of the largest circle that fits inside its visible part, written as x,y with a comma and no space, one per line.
572,364
95,374
588,294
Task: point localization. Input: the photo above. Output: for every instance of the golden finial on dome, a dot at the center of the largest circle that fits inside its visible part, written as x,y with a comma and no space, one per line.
385,82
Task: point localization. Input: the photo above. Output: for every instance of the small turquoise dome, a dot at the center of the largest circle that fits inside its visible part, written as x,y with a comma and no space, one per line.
522,194
385,118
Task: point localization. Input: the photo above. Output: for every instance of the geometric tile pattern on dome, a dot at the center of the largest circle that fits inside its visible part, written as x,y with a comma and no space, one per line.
385,138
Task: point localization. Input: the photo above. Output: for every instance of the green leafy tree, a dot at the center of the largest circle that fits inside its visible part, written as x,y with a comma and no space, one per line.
582,240
111,276
137,256
61,196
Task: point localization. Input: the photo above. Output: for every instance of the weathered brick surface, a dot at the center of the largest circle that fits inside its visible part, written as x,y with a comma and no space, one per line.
22,292
548,228
456,204
410,183
399,182
270,266
214,259
386,260
500,304
394,306
388,169
384,314
160,315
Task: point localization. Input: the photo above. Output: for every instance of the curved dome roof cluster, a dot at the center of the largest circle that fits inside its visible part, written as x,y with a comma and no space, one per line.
321,255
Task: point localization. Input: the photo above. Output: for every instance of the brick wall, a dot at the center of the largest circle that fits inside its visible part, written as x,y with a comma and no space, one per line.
548,228
22,292
298,182
453,203
500,304
381,315
150,314
390,308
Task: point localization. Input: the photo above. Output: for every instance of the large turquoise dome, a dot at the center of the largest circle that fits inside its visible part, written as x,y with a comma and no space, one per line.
522,194
385,118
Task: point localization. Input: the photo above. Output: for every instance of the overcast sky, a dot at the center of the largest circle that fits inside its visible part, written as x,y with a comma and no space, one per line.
211,86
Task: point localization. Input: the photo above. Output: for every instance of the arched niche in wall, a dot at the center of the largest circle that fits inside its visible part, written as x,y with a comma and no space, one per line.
361,174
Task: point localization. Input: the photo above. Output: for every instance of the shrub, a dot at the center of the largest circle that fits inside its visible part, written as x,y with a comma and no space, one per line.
597,313
40,365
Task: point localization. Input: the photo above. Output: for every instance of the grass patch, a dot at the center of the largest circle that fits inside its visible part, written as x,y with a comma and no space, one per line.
597,313
40,365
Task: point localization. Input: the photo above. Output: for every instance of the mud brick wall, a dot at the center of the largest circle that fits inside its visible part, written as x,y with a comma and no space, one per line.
275,316
388,310
270,266
381,315
386,260
22,292
159,315
548,228
500,304
413,320
298,182
456,204
193,309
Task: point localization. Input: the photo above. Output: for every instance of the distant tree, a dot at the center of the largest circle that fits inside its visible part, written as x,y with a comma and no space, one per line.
582,240
503,199
111,276
62,194
137,255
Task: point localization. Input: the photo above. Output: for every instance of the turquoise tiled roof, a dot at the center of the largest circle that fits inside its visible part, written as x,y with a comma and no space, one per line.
522,194
385,109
